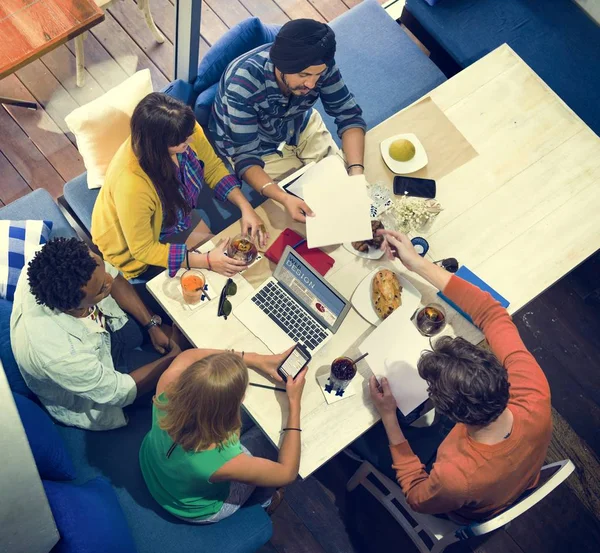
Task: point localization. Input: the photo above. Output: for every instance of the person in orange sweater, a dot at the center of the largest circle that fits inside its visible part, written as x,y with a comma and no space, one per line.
499,401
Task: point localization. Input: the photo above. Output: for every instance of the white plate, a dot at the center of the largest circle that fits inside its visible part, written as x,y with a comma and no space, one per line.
404,167
373,253
361,299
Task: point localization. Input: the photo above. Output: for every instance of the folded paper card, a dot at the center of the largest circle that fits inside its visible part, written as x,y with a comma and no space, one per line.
341,204
469,276
394,348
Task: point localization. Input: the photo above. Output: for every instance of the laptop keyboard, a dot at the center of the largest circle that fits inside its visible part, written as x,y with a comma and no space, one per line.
289,316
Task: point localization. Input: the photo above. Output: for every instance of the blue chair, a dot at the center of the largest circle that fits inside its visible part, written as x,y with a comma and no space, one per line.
200,94
114,454
39,205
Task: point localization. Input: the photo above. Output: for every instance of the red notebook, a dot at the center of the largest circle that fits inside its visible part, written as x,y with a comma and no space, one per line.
316,257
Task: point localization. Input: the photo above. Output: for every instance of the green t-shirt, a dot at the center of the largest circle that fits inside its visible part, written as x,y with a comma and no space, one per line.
180,483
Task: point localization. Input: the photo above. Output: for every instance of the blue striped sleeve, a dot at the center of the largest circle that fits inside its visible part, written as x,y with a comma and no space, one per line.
340,104
238,138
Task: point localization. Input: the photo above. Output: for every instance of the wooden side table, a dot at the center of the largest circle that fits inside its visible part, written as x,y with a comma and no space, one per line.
31,29
143,6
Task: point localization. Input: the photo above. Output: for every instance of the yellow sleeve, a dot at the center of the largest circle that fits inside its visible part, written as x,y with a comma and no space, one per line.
136,205
214,168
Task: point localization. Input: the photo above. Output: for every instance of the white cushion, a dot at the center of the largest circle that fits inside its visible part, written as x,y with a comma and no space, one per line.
101,126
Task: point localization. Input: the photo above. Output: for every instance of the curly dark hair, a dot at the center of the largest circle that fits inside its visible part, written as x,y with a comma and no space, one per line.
466,383
59,271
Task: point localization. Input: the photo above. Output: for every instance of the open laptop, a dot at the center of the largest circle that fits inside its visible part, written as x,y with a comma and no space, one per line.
295,305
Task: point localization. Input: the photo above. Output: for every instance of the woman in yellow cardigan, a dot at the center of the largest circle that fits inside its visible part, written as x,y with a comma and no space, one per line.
151,188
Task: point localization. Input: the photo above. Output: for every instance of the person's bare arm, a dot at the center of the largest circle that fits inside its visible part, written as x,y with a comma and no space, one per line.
257,178
146,377
263,472
353,144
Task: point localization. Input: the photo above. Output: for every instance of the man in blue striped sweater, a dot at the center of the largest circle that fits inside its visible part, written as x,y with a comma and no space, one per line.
263,117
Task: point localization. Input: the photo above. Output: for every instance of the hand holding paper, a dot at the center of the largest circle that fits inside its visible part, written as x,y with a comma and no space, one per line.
341,204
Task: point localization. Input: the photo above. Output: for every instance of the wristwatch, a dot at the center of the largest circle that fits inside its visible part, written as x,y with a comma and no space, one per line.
155,320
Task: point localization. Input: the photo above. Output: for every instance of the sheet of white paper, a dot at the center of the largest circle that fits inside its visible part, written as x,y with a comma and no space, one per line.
341,205
295,182
394,348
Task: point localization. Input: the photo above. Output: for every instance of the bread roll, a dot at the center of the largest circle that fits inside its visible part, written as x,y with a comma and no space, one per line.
386,293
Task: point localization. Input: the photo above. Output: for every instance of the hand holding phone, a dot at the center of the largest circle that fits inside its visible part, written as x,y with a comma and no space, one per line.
412,186
294,362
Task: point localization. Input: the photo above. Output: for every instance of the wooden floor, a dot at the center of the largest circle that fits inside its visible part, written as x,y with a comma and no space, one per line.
318,516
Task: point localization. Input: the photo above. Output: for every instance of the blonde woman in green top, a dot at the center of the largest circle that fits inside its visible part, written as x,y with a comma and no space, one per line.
193,460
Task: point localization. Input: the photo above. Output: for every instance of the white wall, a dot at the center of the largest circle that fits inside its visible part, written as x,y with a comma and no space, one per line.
26,523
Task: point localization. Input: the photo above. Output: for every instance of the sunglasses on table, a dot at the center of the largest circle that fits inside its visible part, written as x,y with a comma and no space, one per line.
230,289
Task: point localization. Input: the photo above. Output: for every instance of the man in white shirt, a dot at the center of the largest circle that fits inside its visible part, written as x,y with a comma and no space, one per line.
70,333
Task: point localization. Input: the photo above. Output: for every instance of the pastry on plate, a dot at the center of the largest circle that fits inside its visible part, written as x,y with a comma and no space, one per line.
363,245
386,293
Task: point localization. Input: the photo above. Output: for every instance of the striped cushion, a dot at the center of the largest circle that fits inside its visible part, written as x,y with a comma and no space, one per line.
19,240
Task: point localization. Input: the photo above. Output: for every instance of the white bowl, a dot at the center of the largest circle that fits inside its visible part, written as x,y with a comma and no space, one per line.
404,167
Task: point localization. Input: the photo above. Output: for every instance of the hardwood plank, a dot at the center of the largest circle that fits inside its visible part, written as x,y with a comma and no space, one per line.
61,63
132,20
496,542
557,524
585,481
267,10
289,533
43,131
231,12
49,93
570,398
329,9
314,507
163,13
12,185
212,27
299,9
126,52
26,158
580,316
99,63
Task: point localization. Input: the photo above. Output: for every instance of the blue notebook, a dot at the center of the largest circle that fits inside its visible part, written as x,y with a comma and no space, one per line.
471,277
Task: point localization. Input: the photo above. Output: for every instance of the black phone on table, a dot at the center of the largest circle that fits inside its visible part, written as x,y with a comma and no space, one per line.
412,186
294,362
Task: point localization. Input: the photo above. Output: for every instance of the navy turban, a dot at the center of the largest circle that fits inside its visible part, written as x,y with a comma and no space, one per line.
301,43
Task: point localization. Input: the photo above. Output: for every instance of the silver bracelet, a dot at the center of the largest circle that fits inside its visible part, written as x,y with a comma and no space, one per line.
264,186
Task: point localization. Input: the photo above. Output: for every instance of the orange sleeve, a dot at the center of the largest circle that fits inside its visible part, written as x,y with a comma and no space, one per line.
443,490
528,382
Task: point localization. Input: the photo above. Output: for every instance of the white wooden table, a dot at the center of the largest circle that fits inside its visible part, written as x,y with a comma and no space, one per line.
521,214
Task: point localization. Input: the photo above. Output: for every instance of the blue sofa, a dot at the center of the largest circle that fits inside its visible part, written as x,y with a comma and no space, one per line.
113,456
380,64
556,38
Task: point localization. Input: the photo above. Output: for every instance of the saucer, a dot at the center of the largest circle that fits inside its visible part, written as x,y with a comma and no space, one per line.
404,167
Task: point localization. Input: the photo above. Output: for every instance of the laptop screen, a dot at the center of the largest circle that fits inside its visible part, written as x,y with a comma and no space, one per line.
310,289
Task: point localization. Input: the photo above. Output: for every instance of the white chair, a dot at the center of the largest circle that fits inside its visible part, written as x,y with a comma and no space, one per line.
424,529
143,6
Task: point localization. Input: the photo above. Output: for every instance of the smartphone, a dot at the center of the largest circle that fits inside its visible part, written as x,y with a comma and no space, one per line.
412,186
294,362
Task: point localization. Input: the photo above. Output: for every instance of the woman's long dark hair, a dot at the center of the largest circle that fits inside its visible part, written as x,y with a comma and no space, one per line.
160,122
